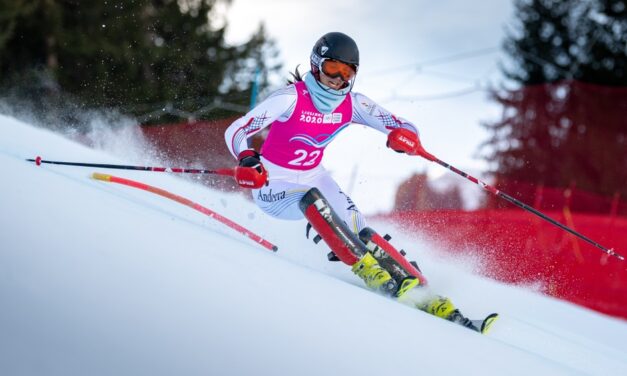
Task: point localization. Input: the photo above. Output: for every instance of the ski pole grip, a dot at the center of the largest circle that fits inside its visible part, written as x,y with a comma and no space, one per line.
226,172
426,155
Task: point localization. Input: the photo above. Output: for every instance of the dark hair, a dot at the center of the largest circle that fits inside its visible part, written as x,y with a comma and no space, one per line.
296,76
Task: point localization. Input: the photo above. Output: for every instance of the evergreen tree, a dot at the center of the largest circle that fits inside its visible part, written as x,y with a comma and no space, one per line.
601,51
136,56
564,123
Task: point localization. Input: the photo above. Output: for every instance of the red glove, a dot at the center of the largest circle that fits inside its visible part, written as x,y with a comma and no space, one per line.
250,173
403,140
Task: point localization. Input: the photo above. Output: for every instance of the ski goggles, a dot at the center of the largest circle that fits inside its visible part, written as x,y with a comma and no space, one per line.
336,68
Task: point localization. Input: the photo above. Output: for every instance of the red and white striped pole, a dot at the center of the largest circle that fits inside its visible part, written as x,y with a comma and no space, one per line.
518,203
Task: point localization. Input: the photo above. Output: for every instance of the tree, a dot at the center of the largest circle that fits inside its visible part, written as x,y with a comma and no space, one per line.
564,121
416,193
136,56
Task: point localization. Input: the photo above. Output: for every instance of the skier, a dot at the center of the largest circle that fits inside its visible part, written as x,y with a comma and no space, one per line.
288,181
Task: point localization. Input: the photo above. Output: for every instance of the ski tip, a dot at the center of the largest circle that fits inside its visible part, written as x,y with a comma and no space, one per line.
275,248
488,321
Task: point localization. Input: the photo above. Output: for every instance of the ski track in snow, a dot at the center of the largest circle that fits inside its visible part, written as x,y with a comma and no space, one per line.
98,278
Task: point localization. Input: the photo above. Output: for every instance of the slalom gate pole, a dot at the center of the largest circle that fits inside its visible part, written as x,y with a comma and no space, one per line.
135,184
518,203
223,171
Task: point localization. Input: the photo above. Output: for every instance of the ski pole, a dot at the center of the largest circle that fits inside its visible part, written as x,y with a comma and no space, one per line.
516,202
182,200
222,171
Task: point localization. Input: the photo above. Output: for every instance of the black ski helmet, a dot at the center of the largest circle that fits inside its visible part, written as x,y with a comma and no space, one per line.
337,46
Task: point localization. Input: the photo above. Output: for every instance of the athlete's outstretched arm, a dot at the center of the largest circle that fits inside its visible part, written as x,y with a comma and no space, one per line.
403,136
369,113
278,106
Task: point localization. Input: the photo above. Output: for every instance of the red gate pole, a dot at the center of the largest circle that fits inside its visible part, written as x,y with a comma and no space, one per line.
135,184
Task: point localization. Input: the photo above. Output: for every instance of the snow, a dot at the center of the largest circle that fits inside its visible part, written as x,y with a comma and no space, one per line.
102,279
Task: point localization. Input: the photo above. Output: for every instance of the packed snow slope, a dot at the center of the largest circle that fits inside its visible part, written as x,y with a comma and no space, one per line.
102,279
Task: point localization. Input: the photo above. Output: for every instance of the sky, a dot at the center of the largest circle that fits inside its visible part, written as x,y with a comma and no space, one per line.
102,279
426,61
